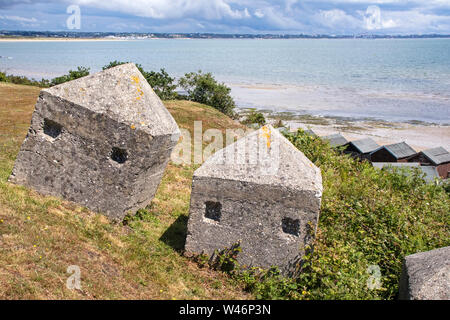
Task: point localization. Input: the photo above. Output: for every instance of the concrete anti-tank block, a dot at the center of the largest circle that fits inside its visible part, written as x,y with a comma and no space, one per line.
102,141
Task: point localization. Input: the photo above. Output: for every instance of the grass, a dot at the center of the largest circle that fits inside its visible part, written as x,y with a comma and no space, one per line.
41,236
368,217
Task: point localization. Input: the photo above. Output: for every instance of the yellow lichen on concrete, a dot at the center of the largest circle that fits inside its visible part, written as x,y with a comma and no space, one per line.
266,134
138,87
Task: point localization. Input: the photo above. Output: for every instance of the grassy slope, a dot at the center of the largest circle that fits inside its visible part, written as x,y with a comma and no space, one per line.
368,217
41,236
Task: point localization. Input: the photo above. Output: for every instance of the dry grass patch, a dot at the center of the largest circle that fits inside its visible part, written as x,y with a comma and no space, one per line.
41,236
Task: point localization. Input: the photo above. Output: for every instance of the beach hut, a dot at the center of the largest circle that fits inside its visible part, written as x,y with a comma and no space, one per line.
430,172
283,130
438,157
311,133
361,148
336,140
397,152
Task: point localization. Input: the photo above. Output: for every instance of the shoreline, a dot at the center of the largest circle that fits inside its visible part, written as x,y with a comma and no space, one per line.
420,136
57,39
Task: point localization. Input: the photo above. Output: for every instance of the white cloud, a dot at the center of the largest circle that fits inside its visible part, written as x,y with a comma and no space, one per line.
337,20
419,22
259,13
18,19
284,16
174,9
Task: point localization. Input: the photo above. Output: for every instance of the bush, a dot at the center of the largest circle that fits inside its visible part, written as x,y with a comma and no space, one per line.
161,82
369,217
116,63
3,77
22,80
203,88
73,74
255,117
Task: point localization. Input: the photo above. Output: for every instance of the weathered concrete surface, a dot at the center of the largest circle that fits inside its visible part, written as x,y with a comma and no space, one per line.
426,276
260,190
102,141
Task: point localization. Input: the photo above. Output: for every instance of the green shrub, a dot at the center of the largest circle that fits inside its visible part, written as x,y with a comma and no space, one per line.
3,77
116,63
369,217
73,74
22,80
255,117
203,88
161,82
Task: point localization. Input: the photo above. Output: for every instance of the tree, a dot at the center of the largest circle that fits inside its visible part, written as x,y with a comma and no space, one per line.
255,117
3,77
116,63
161,82
203,88
73,74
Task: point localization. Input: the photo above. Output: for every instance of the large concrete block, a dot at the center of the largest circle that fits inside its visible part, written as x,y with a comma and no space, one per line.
426,276
102,141
261,191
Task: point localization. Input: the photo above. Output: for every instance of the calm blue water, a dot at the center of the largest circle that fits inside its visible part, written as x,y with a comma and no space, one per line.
384,79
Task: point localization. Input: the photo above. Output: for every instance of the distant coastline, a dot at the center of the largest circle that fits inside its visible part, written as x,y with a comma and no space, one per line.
69,35
15,39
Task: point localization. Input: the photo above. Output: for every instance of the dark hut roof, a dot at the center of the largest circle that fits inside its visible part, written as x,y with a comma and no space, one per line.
399,150
430,172
310,132
336,140
437,155
365,145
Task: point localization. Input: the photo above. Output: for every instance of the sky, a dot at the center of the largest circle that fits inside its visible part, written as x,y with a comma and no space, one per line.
229,16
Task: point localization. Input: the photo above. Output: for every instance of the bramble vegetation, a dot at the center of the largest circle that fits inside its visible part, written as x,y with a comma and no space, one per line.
369,217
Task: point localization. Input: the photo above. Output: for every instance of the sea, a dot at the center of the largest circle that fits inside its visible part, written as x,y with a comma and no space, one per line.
363,79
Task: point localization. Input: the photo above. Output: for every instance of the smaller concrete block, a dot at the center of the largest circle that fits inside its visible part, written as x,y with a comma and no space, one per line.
262,192
426,276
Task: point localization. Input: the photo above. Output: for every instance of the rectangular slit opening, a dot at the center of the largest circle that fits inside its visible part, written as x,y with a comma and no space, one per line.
213,210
